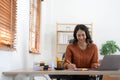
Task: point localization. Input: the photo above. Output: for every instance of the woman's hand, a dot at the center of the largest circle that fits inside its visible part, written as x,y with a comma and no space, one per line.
95,65
71,66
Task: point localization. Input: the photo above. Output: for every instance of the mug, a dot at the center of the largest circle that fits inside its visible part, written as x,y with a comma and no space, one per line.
60,64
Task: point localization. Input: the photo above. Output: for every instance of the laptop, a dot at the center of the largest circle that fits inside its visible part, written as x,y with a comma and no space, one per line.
110,62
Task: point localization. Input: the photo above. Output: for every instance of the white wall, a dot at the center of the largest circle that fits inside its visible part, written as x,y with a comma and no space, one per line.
104,14
10,60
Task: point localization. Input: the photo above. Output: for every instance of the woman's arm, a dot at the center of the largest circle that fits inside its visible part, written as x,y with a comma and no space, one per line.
67,60
94,62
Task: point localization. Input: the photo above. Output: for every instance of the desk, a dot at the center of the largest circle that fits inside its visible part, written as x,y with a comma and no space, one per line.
31,73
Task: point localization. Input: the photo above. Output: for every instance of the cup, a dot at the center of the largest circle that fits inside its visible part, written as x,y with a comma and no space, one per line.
59,64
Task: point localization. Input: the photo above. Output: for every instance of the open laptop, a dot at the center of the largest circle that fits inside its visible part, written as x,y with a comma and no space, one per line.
110,62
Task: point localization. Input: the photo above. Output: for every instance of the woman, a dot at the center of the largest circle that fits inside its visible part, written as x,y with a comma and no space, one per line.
82,53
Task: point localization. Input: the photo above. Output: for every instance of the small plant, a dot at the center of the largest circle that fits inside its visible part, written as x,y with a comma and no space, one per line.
110,47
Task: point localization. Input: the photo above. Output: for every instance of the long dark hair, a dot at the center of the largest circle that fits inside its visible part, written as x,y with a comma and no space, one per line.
84,28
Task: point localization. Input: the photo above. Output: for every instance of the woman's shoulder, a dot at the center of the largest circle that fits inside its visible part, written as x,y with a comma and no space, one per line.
72,45
92,45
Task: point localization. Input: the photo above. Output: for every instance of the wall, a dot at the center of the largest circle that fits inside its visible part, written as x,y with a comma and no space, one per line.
17,59
104,14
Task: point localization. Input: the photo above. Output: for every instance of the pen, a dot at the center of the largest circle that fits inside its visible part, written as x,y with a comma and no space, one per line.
73,66
69,62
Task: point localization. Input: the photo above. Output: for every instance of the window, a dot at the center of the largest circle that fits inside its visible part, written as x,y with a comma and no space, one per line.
7,23
34,36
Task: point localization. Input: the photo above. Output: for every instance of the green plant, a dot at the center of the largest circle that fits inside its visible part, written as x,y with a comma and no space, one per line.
110,47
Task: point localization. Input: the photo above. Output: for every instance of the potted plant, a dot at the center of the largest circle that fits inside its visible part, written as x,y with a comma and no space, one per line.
108,48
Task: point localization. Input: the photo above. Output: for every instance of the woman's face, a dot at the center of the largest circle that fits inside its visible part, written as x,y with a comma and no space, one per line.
81,36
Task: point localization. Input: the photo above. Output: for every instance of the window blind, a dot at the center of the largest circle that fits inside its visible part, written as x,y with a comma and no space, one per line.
7,23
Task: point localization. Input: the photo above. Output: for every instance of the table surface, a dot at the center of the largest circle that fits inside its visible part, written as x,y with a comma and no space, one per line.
60,72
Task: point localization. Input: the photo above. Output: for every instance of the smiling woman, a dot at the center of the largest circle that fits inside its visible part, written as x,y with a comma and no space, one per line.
7,24
34,36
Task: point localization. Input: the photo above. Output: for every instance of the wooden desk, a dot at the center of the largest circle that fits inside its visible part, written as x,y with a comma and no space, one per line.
31,73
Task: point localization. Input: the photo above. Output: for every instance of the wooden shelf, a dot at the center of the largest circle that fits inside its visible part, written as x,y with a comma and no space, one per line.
64,33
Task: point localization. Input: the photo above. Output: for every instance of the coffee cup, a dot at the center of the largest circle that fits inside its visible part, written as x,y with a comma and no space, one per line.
60,64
